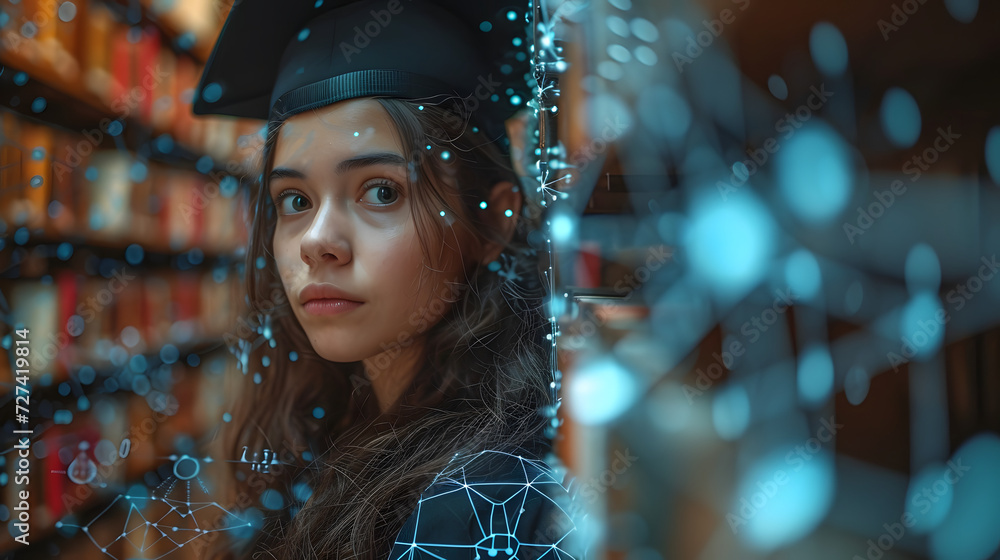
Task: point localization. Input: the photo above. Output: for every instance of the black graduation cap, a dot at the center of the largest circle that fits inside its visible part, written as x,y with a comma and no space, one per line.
274,59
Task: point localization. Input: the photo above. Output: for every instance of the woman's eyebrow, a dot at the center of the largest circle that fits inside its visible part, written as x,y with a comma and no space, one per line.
364,160
350,164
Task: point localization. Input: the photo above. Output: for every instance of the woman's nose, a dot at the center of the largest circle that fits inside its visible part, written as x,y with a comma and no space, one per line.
328,236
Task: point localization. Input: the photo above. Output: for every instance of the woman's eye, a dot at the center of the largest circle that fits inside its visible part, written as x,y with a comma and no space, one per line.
290,202
381,194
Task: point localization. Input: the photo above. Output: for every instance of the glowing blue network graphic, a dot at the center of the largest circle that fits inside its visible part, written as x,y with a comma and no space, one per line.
495,505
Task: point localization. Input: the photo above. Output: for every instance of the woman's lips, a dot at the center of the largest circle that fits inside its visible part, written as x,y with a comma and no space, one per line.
330,306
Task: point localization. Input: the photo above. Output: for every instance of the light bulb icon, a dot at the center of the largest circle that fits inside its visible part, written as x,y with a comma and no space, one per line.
82,470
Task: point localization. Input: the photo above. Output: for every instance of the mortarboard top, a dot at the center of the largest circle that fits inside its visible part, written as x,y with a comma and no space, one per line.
275,59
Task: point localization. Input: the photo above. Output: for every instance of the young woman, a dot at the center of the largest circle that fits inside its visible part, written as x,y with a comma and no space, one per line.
402,375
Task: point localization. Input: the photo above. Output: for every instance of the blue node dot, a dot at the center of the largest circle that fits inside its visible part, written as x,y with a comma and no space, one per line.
186,41
900,117
20,78
204,164
495,97
64,251
272,499
293,356
260,262
318,412
828,49
115,128
428,146
515,99
511,15
165,143
445,155
516,41
257,378
420,107
228,186
356,133
212,92
266,361
21,236
483,205
91,173
508,212
134,34
169,354
318,3
227,417
485,26
506,69
134,254
38,105
777,86
36,181
993,153
494,266
38,154
193,360
962,10
441,212
304,34
138,172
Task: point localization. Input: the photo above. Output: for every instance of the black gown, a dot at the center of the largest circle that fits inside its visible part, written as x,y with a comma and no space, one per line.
495,505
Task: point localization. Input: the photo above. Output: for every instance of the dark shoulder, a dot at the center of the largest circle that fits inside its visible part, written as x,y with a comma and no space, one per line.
493,504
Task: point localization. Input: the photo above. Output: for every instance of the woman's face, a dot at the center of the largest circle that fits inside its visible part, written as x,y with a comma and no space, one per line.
344,219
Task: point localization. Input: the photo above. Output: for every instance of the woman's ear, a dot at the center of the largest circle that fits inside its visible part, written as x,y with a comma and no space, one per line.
503,199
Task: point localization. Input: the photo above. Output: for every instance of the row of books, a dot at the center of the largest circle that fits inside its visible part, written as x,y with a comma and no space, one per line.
75,469
76,319
48,182
124,71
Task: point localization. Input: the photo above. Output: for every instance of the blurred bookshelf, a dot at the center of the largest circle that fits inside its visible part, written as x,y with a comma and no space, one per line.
123,223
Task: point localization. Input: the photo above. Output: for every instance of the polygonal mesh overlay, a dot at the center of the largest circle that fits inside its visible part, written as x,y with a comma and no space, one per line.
498,505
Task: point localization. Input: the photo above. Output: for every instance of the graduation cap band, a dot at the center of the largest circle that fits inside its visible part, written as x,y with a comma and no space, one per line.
362,83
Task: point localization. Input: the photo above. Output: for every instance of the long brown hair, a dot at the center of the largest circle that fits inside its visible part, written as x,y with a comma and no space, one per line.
483,384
